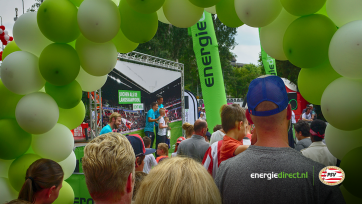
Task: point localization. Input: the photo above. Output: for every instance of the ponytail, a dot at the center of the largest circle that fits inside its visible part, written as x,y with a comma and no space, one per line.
42,174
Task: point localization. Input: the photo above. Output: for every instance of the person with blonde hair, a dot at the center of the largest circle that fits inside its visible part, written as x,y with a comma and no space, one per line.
162,128
168,182
43,180
162,152
114,121
189,129
109,168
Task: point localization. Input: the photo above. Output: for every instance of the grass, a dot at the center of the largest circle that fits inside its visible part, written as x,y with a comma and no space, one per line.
176,132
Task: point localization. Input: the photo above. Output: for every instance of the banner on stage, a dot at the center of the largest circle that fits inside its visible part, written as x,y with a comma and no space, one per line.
129,97
138,106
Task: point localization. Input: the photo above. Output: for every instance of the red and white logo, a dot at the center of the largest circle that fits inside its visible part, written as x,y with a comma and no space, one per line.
331,175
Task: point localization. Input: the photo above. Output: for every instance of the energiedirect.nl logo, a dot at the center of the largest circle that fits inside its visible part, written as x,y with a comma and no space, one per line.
270,176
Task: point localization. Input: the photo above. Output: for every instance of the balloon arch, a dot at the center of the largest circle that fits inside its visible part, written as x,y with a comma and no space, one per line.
69,44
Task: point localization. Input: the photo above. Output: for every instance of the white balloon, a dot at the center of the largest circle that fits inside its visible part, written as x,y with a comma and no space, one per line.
161,16
68,165
345,50
341,103
4,167
342,12
340,142
211,9
6,37
7,192
89,82
1,31
272,35
99,21
257,13
37,113
182,13
6,32
56,144
97,59
27,34
20,73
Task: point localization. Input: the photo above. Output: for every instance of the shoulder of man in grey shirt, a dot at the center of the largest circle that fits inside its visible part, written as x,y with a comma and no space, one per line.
274,175
302,144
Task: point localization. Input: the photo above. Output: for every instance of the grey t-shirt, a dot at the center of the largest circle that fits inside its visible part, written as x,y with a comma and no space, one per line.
302,144
195,147
236,185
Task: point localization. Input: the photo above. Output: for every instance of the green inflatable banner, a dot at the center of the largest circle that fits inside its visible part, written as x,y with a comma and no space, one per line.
268,62
77,180
208,63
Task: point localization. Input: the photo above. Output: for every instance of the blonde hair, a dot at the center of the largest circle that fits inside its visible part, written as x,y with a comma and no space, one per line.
188,128
162,110
108,160
164,147
166,118
114,115
169,182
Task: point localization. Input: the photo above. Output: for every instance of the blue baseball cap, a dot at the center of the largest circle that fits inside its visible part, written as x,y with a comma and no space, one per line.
267,88
138,145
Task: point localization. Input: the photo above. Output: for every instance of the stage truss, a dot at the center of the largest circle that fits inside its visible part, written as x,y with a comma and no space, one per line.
95,105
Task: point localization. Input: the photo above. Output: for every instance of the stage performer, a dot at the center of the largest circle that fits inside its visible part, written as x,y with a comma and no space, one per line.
157,113
150,122
115,121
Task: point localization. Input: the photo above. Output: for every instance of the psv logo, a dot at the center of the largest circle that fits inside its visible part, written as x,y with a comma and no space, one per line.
331,175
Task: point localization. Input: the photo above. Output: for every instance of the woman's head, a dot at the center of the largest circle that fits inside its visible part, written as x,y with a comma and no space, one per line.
189,129
233,117
162,149
178,180
43,181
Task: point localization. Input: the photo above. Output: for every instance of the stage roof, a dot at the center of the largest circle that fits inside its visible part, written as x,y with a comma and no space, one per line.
150,78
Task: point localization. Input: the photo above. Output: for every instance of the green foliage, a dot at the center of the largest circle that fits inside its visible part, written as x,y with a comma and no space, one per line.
175,44
238,83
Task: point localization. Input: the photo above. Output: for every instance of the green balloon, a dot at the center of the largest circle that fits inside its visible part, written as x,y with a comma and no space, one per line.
10,48
204,3
18,168
7,107
306,40
77,3
351,165
137,27
123,44
307,78
146,6
226,12
66,194
30,151
59,64
57,20
14,140
348,197
67,96
73,117
302,7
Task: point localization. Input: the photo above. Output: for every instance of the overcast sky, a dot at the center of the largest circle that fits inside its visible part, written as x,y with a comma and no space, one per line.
247,50
248,47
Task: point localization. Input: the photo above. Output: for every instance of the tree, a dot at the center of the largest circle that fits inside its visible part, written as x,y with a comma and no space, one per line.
35,6
175,44
240,80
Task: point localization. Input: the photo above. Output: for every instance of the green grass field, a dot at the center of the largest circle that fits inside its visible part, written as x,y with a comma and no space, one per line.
176,132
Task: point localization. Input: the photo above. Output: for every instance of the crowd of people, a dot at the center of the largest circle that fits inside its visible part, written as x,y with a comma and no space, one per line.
242,164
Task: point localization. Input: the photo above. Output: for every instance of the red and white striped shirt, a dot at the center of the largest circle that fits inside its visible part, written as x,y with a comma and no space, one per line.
211,159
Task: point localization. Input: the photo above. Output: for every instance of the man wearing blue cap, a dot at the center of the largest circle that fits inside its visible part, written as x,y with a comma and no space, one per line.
270,171
140,150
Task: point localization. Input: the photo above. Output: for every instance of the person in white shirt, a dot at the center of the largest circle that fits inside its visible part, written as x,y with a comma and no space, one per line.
162,128
318,151
149,160
307,116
